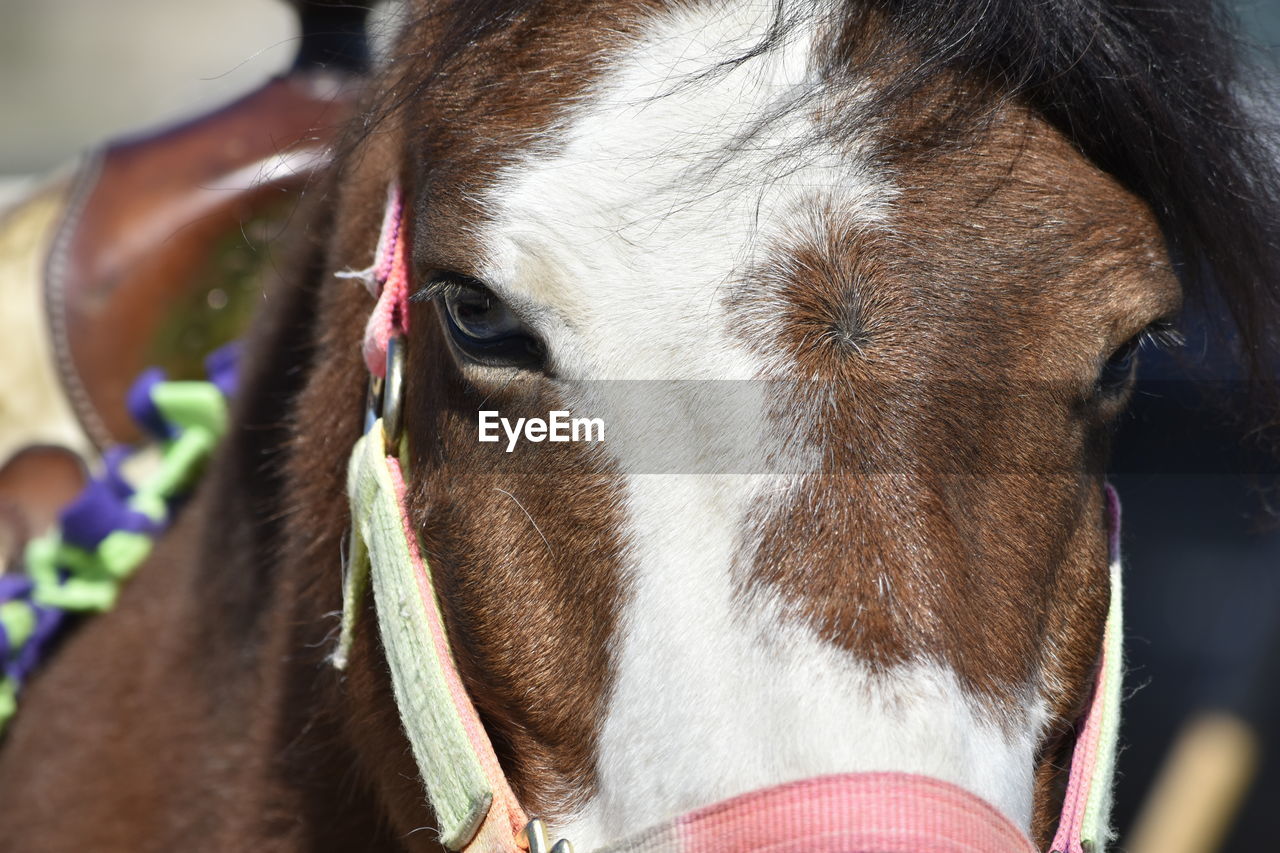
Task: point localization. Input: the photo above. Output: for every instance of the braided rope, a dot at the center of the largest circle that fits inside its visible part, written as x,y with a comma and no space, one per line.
108,530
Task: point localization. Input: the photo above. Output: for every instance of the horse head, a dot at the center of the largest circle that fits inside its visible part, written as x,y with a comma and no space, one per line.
750,373
880,322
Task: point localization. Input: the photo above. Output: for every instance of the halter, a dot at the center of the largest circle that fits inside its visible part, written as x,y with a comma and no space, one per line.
475,808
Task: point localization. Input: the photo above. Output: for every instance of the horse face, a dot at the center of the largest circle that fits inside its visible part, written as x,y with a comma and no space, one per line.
854,385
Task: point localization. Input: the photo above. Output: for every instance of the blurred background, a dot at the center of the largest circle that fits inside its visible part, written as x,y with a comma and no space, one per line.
1200,769
75,72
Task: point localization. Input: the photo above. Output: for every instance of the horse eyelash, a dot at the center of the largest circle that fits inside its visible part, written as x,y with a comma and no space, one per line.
1161,335
439,287
444,283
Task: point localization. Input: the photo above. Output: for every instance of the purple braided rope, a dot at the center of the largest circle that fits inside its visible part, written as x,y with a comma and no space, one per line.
143,409
48,622
98,511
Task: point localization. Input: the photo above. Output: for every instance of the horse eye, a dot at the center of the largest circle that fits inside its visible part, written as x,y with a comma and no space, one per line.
1118,371
1115,374
483,327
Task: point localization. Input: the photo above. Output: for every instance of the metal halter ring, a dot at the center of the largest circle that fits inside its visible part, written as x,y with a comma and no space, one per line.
393,396
534,835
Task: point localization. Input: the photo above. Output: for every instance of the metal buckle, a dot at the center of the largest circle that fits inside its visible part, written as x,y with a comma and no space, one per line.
393,396
534,838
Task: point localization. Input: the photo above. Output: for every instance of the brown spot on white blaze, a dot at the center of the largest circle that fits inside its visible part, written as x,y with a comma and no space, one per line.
944,360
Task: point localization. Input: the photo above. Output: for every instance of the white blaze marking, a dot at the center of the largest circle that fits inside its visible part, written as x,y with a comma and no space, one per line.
622,240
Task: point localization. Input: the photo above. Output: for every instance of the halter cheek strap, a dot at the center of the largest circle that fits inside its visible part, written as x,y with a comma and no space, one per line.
474,805
388,282
1085,823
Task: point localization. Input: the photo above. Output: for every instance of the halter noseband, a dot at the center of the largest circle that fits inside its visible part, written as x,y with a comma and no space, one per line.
475,808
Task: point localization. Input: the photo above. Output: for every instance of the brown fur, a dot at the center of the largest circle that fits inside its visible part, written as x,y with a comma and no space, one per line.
958,513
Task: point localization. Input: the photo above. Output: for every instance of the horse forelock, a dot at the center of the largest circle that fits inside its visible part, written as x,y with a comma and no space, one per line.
674,196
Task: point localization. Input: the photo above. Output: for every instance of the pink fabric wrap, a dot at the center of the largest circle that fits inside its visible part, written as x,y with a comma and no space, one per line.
390,284
1084,757
847,813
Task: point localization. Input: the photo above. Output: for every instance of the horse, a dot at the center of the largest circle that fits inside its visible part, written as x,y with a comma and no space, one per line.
920,242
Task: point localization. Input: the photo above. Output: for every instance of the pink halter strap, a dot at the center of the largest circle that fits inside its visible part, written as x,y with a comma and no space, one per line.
1083,823
389,284
847,813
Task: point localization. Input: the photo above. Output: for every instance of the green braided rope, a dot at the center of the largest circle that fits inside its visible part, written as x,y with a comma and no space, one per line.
197,412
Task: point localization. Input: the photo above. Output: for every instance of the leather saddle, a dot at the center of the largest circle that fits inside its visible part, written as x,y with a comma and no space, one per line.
153,252
165,241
